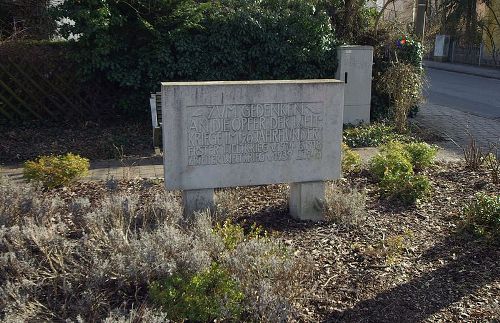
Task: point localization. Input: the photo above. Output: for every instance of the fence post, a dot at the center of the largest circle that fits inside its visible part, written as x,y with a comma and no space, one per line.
453,51
480,53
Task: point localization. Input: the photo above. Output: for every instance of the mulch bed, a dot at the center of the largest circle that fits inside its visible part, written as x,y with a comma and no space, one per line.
435,271
91,140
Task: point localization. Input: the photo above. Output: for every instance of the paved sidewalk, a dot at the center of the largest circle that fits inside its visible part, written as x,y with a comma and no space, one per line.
489,72
455,126
107,169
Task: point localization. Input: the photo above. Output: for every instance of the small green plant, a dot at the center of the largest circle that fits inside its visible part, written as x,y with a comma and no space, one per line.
422,154
392,159
481,216
56,171
372,135
208,295
232,234
406,188
394,168
395,246
492,162
351,161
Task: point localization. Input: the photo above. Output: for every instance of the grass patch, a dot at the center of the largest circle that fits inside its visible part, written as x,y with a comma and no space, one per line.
373,135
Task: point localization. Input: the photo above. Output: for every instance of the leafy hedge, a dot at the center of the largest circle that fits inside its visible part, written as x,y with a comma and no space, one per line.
137,45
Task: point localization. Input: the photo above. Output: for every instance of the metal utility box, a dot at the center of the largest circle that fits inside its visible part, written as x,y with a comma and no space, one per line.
355,69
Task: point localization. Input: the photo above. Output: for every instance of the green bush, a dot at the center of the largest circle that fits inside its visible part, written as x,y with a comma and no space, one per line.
421,153
411,52
404,187
391,161
401,157
138,45
351,160
206,296
56,171
394,169
481,216
372,135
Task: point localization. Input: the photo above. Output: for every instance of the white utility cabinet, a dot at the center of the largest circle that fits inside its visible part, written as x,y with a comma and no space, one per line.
355,69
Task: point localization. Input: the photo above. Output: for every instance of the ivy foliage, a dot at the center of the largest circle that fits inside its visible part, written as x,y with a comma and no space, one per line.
141,43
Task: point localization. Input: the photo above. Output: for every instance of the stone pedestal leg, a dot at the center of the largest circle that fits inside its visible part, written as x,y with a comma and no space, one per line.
197,200
307,200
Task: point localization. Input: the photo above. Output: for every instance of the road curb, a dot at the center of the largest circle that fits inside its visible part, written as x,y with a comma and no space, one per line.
450,69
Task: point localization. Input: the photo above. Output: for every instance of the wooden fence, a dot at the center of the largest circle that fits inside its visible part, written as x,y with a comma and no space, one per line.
26,93
40,81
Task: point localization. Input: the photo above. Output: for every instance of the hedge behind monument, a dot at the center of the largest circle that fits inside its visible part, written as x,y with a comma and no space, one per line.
139,44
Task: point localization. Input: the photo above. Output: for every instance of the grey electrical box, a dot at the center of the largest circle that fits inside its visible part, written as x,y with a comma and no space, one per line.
441,46
355,69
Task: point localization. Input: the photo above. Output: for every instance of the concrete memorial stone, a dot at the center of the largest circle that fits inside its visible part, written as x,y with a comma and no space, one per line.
241,133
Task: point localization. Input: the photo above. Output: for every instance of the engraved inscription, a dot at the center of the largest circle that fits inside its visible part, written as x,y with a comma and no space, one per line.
251,133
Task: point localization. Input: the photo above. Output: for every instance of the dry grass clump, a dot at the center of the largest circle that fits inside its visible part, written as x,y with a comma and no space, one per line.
72,261
403,82
23,202
344,205
142,314
270,276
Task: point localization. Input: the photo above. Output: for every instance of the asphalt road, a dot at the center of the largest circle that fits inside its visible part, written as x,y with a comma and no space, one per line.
468,93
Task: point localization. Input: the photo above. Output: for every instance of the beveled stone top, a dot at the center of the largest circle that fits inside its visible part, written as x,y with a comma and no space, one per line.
257,82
